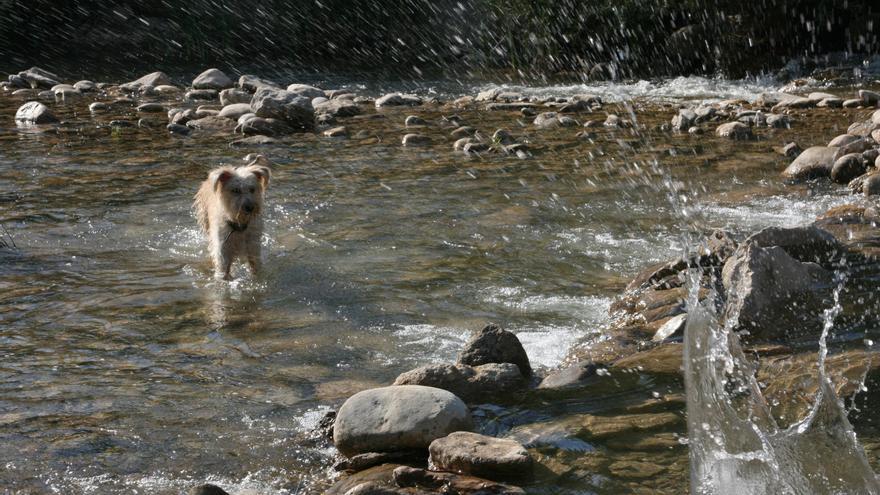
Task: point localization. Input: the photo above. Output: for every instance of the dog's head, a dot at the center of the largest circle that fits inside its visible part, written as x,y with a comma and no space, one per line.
240,190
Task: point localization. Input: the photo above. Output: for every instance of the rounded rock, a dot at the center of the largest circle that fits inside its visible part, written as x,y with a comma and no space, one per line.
34,112
815,161
734,130
414,121
415,140
235,110
493,344
212,79
847,168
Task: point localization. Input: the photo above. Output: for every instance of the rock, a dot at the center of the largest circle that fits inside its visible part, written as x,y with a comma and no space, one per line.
771,294
414,121
695,130
808,244
576,375
793,102
336,132
201,94
463,131
461,143
861,128
397,99
612,121
34,112
451,483
152,79
480,455
775,98
819,96
684,120
487,95
832,102
852,103
338,108
150,108
847,168
778,121
39,78
98,106
547,120
370,459
178,129
502,136
415,140
232,96
566,121
146,123
493,344
523,107
167,90
295,110
842,140
869,98
85,86
476,147
471,383
734,130
212,79
791,150
305,90
378,476
262,126
871,185
665,359
207,489
257,140
16,81
23,92
213,123
814,162
182,116
397,418
251,83
235,110
673,327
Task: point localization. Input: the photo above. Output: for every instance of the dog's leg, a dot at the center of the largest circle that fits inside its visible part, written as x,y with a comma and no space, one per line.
254,251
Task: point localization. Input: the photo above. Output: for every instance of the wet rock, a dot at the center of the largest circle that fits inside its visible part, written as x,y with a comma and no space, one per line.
843,140
463,131
471,383
493,344
201,94
852,103
861,128
791,150
696,130
771,294
503,136
295,110
34,112
339,107
847,168
182,116
257,140
778,121
147,123
207,489
869,184
665,359
414,121
461,143
673,327
808,243
368,460
39,78
23,92
869,98
734,130
775,98
85,86
336,132
793,102
212,79
814,162
150,108
378,476
630,469
251,83
167,90
476,147
213,123
517,106
833,102
263,126
305,90
397,99
858,146
566,121
451,483
574,376
235,110
178,129
480,455
16,81
98,107
232,96
415,140
152,79
684,120
398,418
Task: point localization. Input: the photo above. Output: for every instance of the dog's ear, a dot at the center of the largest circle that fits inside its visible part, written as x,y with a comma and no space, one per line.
220,176
262,173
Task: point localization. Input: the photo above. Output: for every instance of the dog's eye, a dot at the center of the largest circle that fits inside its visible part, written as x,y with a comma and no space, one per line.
236,190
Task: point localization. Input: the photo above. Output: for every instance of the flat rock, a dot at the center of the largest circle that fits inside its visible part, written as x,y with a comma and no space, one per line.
212,123
451,483
480,455
493,344
471,383
577,375
398,418
153,79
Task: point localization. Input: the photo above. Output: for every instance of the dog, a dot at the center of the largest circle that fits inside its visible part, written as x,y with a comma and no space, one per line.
229,207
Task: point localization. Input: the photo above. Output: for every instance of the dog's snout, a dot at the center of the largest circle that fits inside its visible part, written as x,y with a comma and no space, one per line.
248,206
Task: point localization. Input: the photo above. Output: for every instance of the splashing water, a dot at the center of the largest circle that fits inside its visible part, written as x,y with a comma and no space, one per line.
736,447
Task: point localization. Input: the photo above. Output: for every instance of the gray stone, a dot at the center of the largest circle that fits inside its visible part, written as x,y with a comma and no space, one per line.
178,129
461,143
150,108
463,131
338,107
476,147
232,96
397,418
98,106
480,455
574,376
207,489
842,140
414,121
213,123
547,120
201,94
166,90
848,167
16,81
257,140
871,185
449,483
493,344
85,86
814,162
263,126
502,136
809,243
212,79
295,110
869,98
684,120
152,79
468,382
415,140
235,110
734,130
306,90
779,121
251,83
673,327
832,102
852,103
397,99
39,78
34,112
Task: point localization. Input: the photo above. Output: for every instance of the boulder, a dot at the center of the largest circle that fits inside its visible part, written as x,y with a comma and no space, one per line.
493,344
773,295
574,376
734,130
235,110
848,167
338,107
480,455
212,79
471,383
306,90
232,96
814,162
34,112
295,110
152,79
398,418
397,99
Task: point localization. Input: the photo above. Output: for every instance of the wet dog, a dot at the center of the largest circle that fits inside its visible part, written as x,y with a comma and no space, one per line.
229,207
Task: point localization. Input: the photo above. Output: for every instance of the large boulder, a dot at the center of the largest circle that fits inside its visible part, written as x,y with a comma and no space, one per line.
771,294
814,162
471,383
493,344
152,79
398,418
34,112
279,104
480,455
212,79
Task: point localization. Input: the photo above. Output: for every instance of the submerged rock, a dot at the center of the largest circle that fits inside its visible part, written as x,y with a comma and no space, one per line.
480,455
398,418
493,344
34,112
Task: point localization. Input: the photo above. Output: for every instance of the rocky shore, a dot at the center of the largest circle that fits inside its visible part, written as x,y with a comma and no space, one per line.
441,428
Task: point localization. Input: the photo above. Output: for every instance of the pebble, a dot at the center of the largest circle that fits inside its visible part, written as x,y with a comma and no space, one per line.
414,121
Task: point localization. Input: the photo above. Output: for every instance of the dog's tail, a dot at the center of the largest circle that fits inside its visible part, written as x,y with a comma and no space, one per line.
200,206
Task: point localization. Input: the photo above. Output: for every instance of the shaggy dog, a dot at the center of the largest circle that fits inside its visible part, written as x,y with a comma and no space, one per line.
228,207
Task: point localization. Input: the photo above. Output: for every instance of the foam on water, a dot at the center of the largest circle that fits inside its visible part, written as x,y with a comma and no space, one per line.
773,211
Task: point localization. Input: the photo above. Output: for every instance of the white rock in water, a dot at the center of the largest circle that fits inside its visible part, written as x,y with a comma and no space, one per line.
34,112
212,79
153,79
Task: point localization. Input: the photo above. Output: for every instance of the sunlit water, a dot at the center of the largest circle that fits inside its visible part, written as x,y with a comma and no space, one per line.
126,369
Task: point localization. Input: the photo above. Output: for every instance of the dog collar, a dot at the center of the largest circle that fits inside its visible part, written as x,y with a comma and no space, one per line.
236,227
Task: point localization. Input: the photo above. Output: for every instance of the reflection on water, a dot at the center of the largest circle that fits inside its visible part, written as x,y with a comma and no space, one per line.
125,368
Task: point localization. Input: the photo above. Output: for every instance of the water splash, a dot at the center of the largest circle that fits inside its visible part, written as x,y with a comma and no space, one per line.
736,447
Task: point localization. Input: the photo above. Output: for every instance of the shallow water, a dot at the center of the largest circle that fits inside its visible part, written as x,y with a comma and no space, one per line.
126,369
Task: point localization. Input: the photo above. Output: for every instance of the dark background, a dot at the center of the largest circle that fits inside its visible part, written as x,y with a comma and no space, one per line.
577,39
